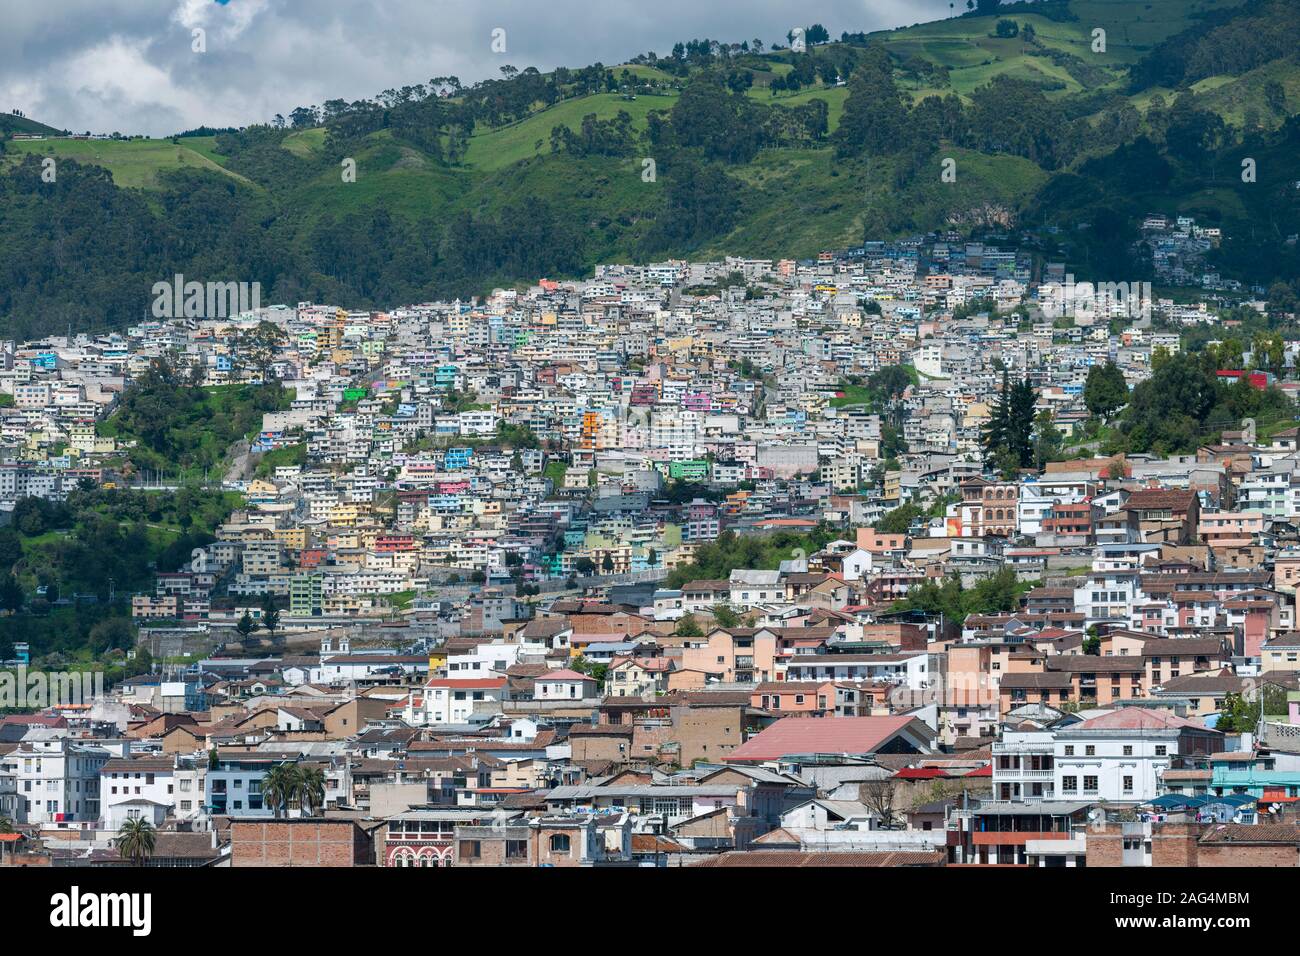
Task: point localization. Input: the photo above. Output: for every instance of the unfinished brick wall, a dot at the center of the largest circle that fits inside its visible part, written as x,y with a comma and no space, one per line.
292,843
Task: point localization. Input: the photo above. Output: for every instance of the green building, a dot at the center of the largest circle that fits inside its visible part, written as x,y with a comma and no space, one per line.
307,595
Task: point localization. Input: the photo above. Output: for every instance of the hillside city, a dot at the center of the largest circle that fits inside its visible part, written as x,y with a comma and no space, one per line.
892,557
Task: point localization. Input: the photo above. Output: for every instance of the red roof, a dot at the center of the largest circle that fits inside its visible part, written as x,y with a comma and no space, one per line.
819,735
984,771
1138,718
921,773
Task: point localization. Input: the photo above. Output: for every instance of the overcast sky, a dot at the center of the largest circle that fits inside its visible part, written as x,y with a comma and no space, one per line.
129,66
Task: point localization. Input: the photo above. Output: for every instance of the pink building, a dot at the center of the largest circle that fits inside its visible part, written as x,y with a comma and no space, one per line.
1230,529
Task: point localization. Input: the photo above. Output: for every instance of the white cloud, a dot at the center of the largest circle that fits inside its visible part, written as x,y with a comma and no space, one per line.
127,65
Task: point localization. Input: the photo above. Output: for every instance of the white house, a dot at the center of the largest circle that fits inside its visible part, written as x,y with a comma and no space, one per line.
453,700
57,780
131,789
822,814
343,666
910,668
750,588
857,564
1121,755
565,685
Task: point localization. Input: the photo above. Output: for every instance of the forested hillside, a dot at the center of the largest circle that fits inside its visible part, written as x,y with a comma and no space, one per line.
715,148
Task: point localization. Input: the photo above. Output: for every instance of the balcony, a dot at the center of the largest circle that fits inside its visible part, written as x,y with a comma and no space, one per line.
1010,837
1025,774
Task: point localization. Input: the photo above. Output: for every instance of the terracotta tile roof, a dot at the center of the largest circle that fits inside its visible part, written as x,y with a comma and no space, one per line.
1273,833
1137,718
812,735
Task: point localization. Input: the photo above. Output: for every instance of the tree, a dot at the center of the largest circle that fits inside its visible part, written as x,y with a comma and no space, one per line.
890,383
279,787
1008,435
136,840
688,626
1105,391
1167,411
11,594
878,796
1240,713
1048,440
874,121
270,616
245,627
585,566
1275,96
607,564
724,615
309,789
817,34
596,672
109,634
6,825
723,124
899,520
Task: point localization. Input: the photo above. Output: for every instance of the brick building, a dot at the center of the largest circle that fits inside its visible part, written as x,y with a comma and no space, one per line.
281,843
1193,844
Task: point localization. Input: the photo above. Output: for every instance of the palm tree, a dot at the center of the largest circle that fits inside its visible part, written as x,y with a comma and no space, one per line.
310,790
279,786
136,840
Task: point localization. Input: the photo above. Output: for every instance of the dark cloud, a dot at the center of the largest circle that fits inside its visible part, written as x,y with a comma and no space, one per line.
129,65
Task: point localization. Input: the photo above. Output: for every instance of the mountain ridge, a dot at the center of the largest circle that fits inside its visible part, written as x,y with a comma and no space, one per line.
545,174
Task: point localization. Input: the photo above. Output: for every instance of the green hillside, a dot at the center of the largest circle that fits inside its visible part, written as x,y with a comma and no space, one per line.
9,123
133,163
755,153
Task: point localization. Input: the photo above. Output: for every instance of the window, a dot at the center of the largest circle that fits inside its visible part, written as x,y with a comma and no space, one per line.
1128,784
1089,784
1128,750
1090,750
469,849
1069,750
516,849
560,843
1161,750
1069,784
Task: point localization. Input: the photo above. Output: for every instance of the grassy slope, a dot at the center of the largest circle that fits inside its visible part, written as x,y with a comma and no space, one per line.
506,145
132,162
801,201
21,124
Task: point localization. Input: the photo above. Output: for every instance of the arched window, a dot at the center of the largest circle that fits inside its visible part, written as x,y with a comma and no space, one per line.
560,843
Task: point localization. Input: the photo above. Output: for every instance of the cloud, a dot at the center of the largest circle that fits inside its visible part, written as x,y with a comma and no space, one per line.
131,66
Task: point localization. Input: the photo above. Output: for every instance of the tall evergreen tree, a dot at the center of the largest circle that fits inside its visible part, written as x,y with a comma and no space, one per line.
1020,425
1008,437
995,430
